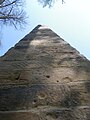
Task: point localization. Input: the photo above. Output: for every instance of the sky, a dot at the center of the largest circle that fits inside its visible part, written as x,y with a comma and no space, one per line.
71,21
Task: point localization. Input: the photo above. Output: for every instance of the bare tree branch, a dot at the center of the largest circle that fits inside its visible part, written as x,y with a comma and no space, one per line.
63,1
1,1
1,6
11,13
48,2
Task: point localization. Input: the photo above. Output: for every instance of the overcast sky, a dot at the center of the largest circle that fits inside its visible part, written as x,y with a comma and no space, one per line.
71,21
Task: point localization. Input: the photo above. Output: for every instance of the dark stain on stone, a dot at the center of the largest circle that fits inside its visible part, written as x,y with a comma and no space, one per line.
47,76
87,85
61,115
72,99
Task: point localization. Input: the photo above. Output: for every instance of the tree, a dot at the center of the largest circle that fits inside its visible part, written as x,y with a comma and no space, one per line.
12,13
48,2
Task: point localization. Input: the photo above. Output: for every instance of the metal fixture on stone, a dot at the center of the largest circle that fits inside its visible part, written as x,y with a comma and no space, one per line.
43,78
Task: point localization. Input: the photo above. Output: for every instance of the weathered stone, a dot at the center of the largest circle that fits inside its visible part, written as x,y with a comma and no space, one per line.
43,78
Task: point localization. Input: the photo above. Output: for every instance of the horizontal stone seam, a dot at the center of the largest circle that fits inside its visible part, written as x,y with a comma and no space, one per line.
45,84
44,108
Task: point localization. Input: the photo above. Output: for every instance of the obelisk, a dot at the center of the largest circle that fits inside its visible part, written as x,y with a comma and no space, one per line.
43,78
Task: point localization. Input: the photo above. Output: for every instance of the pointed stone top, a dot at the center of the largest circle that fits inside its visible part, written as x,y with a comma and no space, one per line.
39,27
39,32
42,36
43,27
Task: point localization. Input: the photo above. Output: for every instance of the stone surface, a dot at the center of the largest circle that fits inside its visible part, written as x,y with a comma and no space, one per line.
43,78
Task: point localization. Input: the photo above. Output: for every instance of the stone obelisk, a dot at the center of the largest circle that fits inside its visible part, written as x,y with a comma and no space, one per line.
43,78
